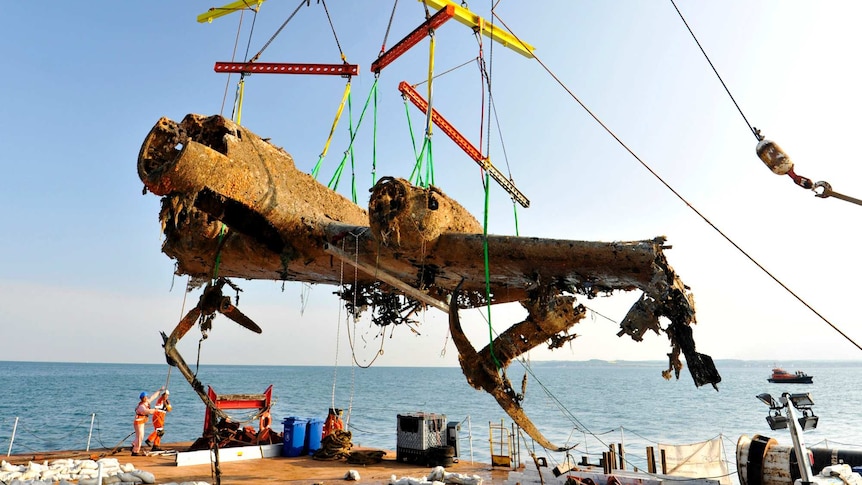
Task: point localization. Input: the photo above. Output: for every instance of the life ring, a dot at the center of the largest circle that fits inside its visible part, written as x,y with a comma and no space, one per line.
265,420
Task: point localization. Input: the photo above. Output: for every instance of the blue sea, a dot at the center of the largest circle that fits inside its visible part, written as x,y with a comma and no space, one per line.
592,404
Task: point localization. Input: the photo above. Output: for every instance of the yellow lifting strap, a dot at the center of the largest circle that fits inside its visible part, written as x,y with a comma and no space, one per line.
474,21
240,88
428,123
216,12
335,121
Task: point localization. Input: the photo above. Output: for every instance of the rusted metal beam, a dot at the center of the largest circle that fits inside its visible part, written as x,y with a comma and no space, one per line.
460,140
344,69
413,38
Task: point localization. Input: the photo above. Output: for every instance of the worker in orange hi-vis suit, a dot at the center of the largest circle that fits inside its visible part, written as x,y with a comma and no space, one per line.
163,406
333,422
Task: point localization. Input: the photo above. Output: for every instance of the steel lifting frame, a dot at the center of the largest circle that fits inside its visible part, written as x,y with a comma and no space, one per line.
344,69
216,12
413,38
459,139
477,23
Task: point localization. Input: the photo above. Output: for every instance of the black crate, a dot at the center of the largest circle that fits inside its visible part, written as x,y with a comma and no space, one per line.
418,433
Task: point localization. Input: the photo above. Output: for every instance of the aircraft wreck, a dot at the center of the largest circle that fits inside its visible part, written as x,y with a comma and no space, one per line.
235,206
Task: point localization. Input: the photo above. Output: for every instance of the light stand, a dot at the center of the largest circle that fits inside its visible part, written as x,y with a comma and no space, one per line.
790,403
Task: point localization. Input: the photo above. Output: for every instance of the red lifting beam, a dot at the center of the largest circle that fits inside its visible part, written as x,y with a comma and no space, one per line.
344,69
441,122
473,152
413,38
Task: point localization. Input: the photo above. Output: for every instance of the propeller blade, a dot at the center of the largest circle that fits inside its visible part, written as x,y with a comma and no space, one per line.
227,309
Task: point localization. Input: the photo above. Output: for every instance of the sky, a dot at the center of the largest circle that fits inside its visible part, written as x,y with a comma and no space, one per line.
83,279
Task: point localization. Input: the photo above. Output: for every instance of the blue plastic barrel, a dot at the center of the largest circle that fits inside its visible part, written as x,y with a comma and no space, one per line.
314,433
294,436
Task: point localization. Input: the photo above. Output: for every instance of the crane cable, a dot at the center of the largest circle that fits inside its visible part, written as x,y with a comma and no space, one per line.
801,181
232,59
771,154
486,75
680,197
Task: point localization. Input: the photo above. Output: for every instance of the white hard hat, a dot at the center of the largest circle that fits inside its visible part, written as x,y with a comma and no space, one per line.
167,392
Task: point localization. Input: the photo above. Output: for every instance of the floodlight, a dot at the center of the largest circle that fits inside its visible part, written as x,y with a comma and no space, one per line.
808,422
767,399
776,422
801,399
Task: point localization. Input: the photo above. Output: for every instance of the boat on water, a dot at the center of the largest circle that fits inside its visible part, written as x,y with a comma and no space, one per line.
781,376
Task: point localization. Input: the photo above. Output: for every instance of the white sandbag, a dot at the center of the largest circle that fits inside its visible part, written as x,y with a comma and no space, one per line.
842,470
130,477
30,475
352,475
89,465
10,476
61,462
128,467
145,476
109,462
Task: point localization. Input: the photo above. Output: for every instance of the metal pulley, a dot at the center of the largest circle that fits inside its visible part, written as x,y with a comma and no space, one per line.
774,157
780,163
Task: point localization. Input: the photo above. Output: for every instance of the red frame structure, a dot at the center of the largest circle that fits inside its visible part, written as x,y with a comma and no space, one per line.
236,401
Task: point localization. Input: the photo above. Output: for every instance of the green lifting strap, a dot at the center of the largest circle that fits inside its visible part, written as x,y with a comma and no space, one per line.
333,182
374,145
410,128
429,166
222,231
515,210
488,270
416,174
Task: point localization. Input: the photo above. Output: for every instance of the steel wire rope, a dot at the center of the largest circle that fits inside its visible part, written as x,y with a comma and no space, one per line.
232,59
447,71
486,183
240,89
486,79
684,200
388,28
278,31
337,330
505,158
22,427
753,130
332,26
352,339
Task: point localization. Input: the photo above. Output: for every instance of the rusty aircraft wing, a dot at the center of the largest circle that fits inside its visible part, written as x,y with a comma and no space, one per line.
236,206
